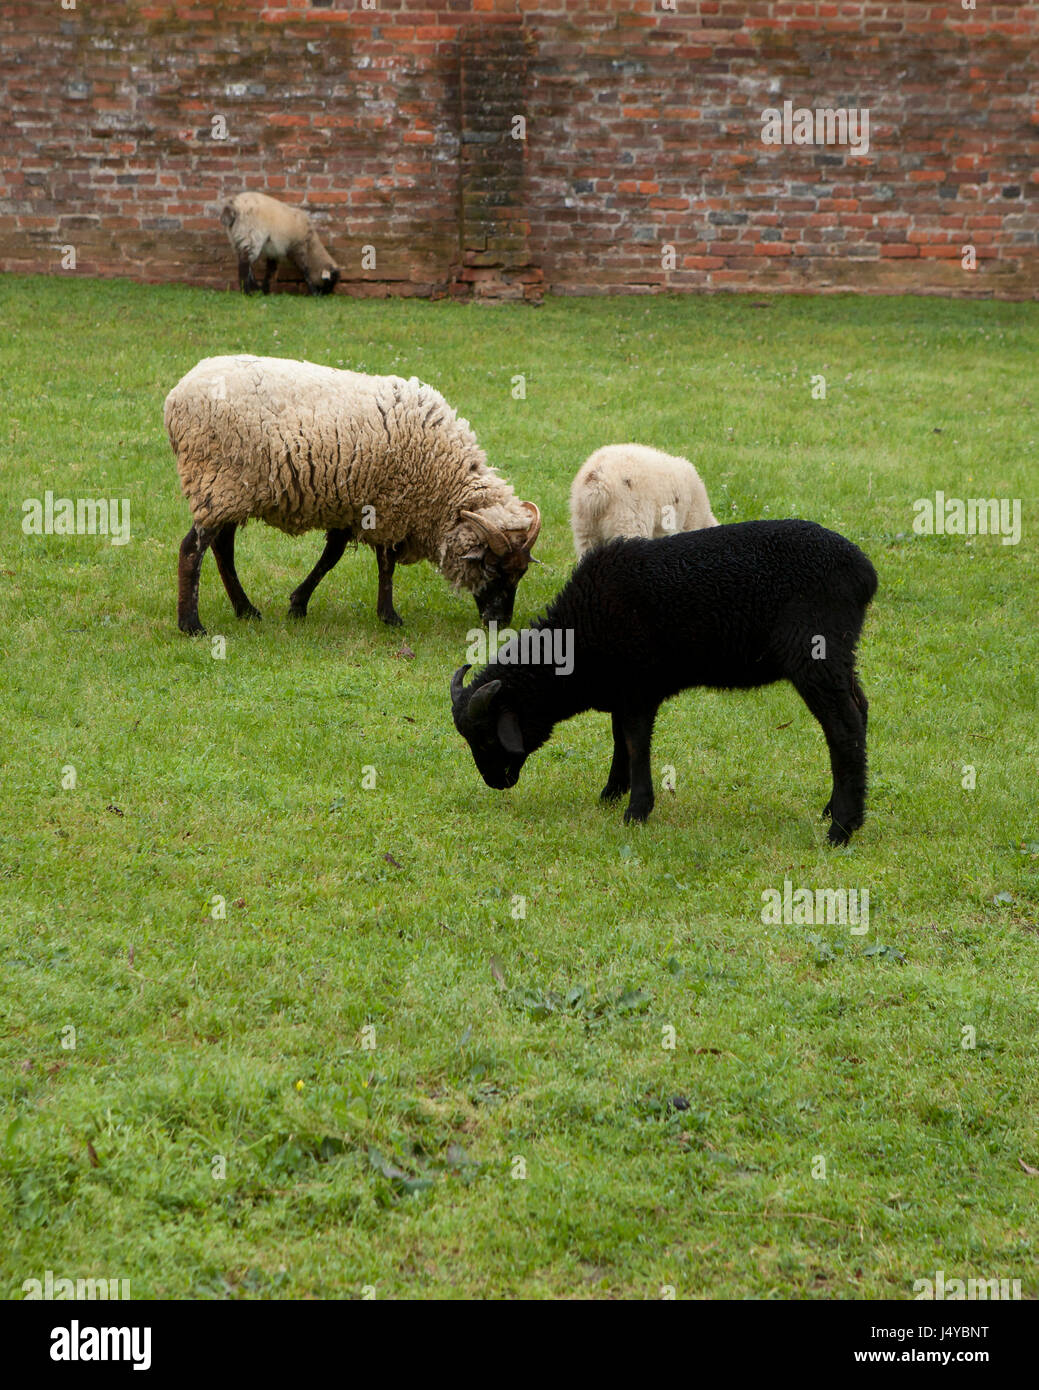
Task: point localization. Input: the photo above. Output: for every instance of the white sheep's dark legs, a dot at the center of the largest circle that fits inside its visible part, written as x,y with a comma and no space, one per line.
270,266
619,780
223,554
842,713
246,279
385,609
335,544
638,736
192,548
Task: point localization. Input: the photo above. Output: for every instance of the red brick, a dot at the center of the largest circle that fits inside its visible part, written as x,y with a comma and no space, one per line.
673,95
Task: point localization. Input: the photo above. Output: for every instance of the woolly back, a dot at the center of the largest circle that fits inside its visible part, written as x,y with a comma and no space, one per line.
289,441
713,582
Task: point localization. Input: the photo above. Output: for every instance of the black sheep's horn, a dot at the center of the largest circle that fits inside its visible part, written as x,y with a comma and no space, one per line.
482,698
458,683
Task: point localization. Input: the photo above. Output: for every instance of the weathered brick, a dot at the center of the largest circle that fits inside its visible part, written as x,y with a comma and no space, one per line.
643,128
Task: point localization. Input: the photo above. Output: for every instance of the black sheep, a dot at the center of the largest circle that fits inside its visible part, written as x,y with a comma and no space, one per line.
732,607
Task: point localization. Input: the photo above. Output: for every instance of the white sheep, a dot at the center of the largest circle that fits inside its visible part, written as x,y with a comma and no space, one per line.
364,458
259,226
632,490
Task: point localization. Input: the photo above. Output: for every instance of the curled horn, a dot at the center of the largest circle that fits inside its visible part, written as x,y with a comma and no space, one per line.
495,538
481,700
535,525
458,683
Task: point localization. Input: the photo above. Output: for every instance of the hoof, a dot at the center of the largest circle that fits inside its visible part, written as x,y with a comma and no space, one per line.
249,612
837,835
610,793
392,620
295,611
192,629
638,816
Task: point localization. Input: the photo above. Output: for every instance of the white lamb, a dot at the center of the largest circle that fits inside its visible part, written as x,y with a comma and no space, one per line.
262,228
632,490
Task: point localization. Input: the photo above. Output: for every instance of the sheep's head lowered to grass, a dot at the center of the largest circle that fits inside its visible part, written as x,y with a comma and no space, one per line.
496,561
491,730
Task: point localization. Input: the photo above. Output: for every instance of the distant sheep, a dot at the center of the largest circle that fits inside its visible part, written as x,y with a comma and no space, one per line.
259,226
728,607
365,458
631,490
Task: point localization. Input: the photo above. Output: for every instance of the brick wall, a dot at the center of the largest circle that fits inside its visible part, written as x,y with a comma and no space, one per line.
641,166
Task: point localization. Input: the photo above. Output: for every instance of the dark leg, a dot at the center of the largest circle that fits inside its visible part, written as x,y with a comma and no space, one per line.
192,549
335,542
859,696
270,266
246,279
638,735
619,780
384,607
300,262
223,553
843,721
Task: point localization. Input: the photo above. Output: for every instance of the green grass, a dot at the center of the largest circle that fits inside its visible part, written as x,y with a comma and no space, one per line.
501,1037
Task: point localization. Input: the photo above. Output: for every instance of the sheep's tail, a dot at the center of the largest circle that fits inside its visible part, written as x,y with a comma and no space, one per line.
594,496
228,215
866,577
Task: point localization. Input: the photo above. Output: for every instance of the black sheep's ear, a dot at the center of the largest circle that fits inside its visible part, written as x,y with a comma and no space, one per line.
510,735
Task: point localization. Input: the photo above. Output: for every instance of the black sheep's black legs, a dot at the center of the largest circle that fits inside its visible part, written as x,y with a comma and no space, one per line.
192,548
638,735
619,780
223,553
842,713
385,609
859,696
335,544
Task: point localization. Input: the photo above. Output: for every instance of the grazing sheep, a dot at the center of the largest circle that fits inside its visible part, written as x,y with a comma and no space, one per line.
631,490
729,607
261,226
365,458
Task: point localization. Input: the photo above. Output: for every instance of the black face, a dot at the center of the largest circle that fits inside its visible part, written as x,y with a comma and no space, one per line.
495,599
493,734
325,283
499,768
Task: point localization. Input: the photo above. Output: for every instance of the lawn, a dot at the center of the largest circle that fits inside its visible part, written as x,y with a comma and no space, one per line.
294,1006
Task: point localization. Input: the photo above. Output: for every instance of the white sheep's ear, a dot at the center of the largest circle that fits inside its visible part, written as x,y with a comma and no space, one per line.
510,735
